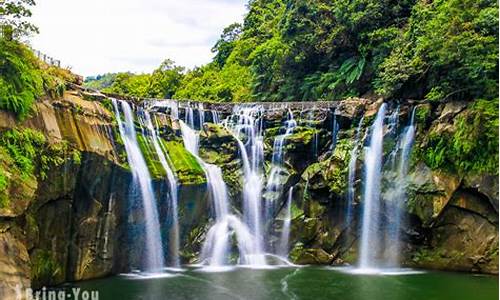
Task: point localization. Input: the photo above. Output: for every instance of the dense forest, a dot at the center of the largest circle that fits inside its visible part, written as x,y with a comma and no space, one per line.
295,50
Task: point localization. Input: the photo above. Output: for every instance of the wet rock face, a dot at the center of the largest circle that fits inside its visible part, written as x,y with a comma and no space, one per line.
80,222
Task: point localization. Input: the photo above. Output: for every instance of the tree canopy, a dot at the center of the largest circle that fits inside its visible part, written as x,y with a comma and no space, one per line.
318,49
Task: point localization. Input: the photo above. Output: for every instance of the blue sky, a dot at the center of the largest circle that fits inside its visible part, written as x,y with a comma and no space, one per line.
98,36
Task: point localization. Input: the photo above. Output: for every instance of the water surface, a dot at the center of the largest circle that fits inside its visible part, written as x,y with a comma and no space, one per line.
296,283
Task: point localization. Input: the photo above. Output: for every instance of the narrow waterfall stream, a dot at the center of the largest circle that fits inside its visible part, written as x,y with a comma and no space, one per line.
369,245
153,257
284,247
173,189
351,177
275,183
396,196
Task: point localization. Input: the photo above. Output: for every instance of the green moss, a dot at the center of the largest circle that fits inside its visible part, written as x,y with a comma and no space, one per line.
43,267
472,145
303,135
422,113
186,166
154,165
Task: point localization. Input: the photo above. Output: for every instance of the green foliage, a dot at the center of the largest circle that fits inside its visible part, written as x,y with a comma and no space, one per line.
473,144
21,79
32,154
100,82
13,14
449,49
3,181
24,147
162,83
186,166
310,50
44,267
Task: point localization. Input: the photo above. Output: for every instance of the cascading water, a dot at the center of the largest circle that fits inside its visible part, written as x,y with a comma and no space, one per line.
189,115
217,243
201,115
335,131
215,117
371,197
285,231
248,123
396,195
351,190
190,137
142,179
274,182
216,247
173,188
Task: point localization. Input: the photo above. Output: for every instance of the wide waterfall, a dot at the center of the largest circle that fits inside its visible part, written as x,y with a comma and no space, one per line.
371,195
379,245
153,257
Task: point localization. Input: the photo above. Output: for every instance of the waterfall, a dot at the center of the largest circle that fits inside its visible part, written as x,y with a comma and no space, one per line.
201,115
190,138
396,195
216,247
189,115
215,117
249,125
351,190
285,231
274,184
335,131
371,198
142,179
173,188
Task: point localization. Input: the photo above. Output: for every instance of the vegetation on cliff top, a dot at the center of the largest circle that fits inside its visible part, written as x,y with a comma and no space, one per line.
308,50
23,77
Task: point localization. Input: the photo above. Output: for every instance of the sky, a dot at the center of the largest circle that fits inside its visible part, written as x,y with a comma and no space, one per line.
100,36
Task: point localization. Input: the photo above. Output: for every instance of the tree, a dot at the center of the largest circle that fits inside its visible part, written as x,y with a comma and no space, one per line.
166,79
13,14
226,43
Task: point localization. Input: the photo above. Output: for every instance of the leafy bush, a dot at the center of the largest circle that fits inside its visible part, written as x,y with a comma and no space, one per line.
472,146
21,79
24,146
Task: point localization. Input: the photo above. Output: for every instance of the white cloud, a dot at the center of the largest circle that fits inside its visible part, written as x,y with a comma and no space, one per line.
98,36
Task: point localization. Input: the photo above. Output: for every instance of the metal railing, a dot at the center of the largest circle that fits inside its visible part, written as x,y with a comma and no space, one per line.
47,59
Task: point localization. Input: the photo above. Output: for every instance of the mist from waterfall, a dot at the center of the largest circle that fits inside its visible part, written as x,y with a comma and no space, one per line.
369,245
142,179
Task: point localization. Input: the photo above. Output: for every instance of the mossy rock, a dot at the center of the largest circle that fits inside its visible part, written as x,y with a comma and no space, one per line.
44,268
154,165
185,165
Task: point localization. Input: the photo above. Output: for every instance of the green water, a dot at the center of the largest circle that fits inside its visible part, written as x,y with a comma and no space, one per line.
297,283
